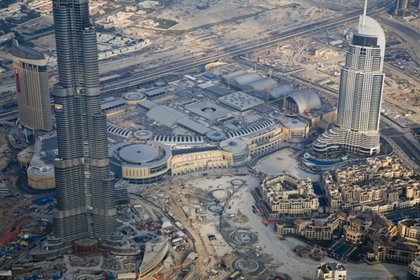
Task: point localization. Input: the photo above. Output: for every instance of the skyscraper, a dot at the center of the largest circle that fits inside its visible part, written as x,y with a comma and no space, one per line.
360,94
33,94
85,189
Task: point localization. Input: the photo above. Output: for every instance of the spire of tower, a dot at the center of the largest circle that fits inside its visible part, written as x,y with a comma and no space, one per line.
364,14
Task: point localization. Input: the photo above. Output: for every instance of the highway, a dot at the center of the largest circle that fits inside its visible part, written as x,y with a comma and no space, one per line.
151,74
408,147
404,29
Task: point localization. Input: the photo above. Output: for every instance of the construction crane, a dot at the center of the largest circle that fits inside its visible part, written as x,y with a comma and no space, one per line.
268,92
284,97
159,275
308,100
228,76
270,72
255,59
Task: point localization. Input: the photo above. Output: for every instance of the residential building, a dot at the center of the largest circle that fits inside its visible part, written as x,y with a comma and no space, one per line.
381,249
331,271
410,230
309,229
382,184
413,270
286,195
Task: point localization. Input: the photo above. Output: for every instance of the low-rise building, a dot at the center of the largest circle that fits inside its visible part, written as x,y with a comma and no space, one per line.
286,195
310,229
413,270
381,249
382,185
331,271
410,230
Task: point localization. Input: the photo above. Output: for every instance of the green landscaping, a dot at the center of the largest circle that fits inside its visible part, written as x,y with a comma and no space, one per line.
165,23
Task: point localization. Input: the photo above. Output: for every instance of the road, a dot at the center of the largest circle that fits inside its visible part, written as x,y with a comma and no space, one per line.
404,143
151,74
404,29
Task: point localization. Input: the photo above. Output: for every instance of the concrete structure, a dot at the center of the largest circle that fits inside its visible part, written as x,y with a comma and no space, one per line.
140,163
208,110
40,172
193,126
379,185
24,157
294,128
410,230
401,6
134,98
143,135
265,140
165,115
249,81
413,270
215,136
302,101
240,101
239,150
285,195
382,249
360,94
331,271
182,141
33,94
154,92
191,160
281,91
150,162
153,255
309,229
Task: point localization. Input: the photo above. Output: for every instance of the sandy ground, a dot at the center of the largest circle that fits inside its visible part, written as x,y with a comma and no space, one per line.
282,253
279,252
283,161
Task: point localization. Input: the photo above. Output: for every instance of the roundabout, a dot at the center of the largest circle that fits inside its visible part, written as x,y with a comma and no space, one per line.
247,265
237,182
243,238
220,194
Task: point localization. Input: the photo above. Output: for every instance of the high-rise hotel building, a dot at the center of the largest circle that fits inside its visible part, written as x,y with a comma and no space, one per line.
84,187
360,94
32,90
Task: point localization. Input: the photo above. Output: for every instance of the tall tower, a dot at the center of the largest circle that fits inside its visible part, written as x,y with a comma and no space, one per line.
360,94
84,186
33,95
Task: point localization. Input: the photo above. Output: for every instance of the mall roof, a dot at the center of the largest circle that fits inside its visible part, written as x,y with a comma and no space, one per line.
281,91
42,163
240,101
147,104
244,80
154,91
220,91
112,104
165,115
263,84
302,99
208,110
193,126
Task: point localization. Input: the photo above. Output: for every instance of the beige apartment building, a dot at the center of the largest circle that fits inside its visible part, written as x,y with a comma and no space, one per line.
287,195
